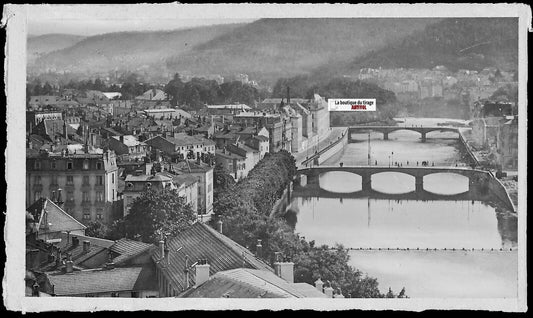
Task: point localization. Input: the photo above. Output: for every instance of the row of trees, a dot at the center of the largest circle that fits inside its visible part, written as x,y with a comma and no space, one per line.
199,91
245,207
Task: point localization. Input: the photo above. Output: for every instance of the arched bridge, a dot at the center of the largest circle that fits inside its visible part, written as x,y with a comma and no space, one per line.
482,185
477,178
386,130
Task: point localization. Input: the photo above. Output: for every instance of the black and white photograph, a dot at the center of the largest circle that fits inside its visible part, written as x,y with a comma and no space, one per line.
209,156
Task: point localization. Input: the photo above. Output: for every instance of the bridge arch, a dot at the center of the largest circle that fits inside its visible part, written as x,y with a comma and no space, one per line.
340,181
446,183
393,182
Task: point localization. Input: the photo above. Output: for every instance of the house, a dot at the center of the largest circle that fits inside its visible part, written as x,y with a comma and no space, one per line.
48,220
128,147
191,147
204,174
130,282
135,185
250,283
153,94
89,181
177,257
126,252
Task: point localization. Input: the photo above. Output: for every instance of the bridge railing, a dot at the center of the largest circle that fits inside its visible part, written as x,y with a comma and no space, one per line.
325,149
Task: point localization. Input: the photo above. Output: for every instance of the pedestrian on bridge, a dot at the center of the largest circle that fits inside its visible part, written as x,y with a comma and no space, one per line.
376,162
407,162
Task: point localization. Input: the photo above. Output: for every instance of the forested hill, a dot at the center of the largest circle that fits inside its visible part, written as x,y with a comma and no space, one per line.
272,48
128,50
457,43
43,44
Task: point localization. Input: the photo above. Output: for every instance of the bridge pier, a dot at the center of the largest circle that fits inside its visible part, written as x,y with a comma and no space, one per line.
423,136
385,136
419,183
366,182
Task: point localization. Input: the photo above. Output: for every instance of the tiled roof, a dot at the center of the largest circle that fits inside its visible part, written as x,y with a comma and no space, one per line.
95,281
246,283
128,248
202,242
57,219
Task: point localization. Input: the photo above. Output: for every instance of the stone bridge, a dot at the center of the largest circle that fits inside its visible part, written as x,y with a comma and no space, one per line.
482,185
386,130
477,178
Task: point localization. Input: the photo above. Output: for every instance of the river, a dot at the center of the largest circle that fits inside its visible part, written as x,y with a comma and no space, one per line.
471,247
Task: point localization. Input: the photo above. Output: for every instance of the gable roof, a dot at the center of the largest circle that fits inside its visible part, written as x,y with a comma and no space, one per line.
44,210
95,281
200,241
250,283
128,248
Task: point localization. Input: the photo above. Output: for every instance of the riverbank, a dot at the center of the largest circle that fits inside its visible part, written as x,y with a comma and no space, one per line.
481,156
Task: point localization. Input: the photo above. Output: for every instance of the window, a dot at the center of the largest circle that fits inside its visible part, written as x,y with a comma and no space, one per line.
86,196
99,180
113,178
86,215
130,185
99,216
99,165
86,180
114,295
54,179
69,165
37,195
70,180
37,165
99,196
85,164
70,196
37,179
210,188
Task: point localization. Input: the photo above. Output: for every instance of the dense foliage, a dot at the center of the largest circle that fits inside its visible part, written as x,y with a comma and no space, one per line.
152,212
200,91
459,43
305,86
245,210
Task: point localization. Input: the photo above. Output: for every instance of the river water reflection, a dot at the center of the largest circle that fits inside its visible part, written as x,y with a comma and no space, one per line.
400,224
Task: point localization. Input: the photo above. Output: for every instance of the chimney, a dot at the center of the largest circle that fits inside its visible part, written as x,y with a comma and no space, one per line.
328,291
259,249
75,241
162,248
86,246
35,290
121,138
220,226
284,269
69,265
202,272
65,131
319,284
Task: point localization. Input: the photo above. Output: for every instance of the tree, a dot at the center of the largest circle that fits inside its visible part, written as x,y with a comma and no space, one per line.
96,229
222,179
157,210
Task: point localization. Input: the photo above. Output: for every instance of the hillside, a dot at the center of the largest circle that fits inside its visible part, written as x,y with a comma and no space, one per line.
128,50
457,43
271,48
40,45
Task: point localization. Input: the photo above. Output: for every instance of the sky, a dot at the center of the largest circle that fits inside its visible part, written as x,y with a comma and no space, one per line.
99,19
94,27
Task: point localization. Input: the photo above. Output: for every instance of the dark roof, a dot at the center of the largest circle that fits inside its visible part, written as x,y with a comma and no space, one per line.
95,281
248,283
202,242
128,248
57,219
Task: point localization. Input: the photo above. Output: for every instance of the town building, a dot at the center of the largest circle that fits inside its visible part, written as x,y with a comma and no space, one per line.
127,147
187,147
88,182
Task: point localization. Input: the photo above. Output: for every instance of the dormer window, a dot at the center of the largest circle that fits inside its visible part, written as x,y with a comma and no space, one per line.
37,165
130,185
69,165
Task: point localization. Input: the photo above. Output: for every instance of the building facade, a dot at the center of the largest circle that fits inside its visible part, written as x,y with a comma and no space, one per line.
89,183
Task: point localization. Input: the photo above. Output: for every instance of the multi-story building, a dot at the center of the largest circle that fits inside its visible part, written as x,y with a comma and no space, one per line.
185,185
128,147
508,143
33,118
189,147
204,174
89,182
